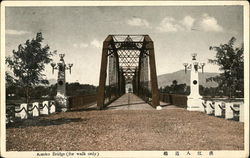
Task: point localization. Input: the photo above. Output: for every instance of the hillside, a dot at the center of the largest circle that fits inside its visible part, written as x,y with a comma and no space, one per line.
181,77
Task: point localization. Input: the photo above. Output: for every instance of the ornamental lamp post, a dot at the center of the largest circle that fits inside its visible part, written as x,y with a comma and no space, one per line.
61,98
194,102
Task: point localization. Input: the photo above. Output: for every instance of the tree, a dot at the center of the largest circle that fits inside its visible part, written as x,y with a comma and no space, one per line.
174,86
10,84
231,62
28,63
10,81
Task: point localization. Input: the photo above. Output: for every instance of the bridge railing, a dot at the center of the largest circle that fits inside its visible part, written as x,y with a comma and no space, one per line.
174,99
145,94
76,102
111,94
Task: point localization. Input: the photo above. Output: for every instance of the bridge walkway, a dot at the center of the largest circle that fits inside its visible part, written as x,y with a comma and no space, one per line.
130,101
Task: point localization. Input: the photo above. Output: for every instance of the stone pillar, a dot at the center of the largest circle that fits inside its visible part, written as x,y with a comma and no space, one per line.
45,110
241,119
229,114
35,111
61,99
52,107
23,113
194,102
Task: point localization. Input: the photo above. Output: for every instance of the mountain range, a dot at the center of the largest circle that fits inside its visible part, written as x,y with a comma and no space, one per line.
182,77
179,76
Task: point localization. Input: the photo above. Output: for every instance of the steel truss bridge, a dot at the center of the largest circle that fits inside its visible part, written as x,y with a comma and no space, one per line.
127,60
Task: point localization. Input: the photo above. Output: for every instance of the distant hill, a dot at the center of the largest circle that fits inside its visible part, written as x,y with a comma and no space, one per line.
181,77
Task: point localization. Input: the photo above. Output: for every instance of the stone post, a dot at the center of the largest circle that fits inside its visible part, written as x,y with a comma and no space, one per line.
23,113
217,109
241,119
229,114
209,109
35,111
52,107
45,110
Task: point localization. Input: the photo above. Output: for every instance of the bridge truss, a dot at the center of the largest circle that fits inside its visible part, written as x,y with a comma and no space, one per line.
127,59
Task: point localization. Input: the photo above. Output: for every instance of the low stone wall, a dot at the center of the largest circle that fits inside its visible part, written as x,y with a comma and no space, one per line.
25,111
174,99
81,101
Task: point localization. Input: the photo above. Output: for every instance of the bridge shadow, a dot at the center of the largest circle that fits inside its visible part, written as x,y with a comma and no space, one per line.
36,122
121,105
85,109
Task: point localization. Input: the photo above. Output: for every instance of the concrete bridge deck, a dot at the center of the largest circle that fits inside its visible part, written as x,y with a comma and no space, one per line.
130,101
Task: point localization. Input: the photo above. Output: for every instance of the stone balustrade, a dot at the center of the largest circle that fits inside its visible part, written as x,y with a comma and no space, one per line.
34,110
233,110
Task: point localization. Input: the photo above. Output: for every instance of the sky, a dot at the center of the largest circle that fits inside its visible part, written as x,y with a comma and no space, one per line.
78,32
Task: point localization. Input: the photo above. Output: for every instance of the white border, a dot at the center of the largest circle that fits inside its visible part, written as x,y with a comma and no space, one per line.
220,153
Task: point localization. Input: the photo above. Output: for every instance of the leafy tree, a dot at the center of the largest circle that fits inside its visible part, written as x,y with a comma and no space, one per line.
28,63
10,81
174,82
10,84
231,62
176,88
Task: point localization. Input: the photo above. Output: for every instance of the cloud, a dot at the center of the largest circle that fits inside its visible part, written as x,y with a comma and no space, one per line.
96,43
83,45
80,45
137,22
187,22
169,24
208,24
205,23
16,32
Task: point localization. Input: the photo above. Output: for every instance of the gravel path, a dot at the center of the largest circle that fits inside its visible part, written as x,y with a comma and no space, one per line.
167,129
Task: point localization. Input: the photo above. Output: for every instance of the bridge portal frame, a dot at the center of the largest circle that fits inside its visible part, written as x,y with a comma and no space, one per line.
108,44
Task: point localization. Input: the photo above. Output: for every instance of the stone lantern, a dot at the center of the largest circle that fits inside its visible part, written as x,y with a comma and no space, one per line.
194,102
61,98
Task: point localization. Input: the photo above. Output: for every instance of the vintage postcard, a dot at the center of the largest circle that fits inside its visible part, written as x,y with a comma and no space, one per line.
124,79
